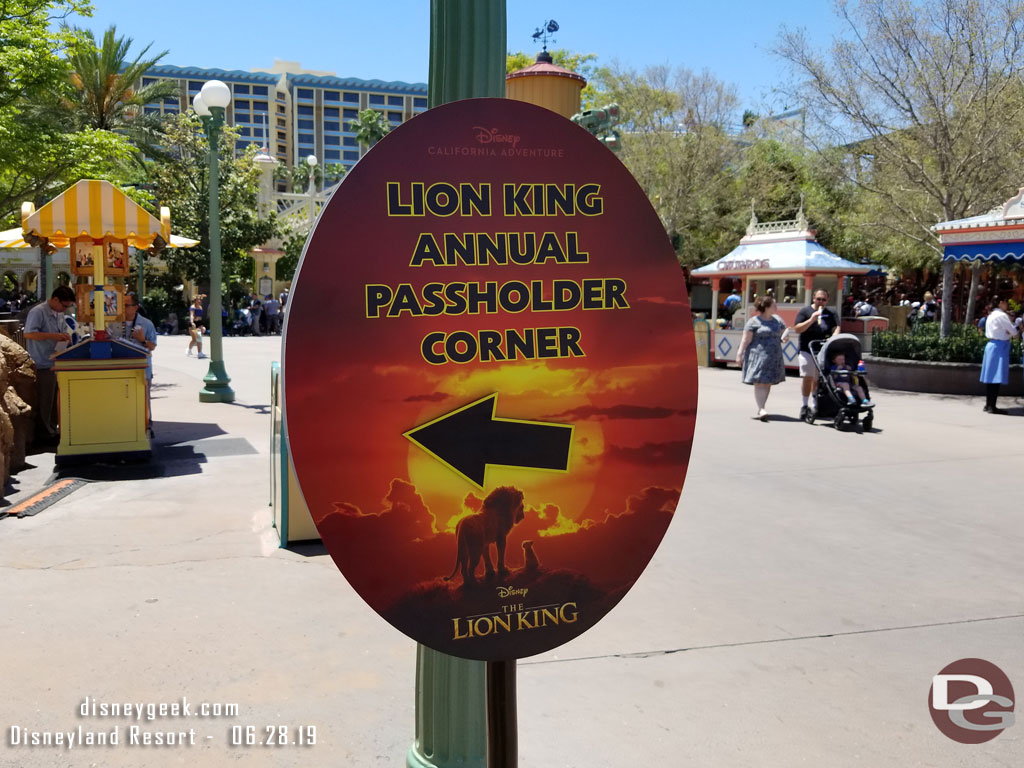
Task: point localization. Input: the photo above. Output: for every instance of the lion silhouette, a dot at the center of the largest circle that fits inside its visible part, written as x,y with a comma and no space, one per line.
502,509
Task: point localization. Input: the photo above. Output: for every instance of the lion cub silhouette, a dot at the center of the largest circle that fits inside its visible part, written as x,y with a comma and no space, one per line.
530,562
474,535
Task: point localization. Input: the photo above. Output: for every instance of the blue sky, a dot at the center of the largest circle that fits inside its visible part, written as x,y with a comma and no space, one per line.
388,40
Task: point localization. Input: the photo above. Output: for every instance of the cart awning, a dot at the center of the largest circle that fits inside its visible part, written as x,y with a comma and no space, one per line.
781,255
96,209
984,252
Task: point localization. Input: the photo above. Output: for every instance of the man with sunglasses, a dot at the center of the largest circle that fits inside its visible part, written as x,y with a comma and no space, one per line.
814,323
44,329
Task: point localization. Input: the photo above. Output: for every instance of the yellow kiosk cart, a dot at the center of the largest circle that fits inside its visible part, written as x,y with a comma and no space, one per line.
102,381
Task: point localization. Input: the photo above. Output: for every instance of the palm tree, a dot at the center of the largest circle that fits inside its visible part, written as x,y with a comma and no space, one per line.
370,127
104,81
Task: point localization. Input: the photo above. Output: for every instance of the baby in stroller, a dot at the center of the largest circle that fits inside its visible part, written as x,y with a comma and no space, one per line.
844,377
843,391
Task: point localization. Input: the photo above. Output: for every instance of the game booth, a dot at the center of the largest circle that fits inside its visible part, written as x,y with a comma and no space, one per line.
783,258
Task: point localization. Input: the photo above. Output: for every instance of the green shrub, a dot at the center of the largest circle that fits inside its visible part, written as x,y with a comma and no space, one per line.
965,344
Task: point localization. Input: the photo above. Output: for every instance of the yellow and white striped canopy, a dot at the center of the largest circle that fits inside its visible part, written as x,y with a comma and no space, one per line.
12,238
96,209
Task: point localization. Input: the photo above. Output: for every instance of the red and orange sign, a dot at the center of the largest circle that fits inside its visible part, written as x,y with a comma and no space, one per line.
490,379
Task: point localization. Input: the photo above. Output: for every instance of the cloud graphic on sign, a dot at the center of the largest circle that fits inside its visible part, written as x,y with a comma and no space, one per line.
433,397
651,454
617,412
403,508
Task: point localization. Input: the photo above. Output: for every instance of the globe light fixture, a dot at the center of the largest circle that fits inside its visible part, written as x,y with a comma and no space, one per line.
210,104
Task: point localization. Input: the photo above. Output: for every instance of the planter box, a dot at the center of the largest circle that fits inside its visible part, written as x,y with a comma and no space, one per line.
938,378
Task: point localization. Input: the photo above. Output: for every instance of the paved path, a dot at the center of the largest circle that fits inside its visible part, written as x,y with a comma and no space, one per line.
811,586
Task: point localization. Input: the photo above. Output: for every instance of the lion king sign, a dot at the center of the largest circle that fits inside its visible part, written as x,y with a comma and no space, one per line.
490,379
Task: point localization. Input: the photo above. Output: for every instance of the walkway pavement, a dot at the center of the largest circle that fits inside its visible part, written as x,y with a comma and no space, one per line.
811,586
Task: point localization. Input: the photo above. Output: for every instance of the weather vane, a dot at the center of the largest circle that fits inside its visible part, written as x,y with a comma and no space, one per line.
544,32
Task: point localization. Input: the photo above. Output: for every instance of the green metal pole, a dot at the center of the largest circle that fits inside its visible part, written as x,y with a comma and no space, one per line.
467,60
217,387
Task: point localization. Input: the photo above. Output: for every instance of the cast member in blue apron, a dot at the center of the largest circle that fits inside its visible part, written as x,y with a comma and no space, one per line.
995,366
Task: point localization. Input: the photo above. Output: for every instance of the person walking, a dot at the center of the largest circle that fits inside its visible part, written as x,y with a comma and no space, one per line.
272,309
995,365
814,323
196,326
760,352
44,329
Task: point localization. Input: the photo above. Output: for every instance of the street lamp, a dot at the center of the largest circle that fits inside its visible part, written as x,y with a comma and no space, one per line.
210,104
311,162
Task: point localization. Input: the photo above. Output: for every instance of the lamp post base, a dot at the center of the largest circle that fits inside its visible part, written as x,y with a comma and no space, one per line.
217,381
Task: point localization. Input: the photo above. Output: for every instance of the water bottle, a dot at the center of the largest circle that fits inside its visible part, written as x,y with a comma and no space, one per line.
821,321
860,367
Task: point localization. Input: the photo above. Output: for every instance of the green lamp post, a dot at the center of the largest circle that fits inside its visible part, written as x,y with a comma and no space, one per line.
210,104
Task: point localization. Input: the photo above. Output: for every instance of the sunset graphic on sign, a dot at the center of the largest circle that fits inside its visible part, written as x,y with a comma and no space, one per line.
552,425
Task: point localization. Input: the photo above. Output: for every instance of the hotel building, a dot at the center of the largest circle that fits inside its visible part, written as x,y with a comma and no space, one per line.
294,112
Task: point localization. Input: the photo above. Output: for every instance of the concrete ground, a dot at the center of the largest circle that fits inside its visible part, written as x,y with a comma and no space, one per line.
810,587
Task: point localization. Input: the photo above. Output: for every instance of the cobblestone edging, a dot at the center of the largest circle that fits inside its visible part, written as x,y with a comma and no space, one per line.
936,378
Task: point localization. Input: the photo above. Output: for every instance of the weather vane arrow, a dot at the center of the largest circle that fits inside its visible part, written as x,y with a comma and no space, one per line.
469,438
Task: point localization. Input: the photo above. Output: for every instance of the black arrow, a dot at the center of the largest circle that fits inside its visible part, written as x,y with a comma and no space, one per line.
470,438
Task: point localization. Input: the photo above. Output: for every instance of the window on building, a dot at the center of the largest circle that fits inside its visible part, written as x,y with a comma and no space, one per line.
244,132
351,155
331,111
332,126
306,138
306,125
171,102
331,154
148,81
151,110
240,146
242,104
239,88
259,90
170,111
395,117
282,136
395,101
260,106
332,95
195,86
282,123
351,98
305,111
351,114
305,93
334,141
376,98
257,133
280,109
348,141
419,103
242,117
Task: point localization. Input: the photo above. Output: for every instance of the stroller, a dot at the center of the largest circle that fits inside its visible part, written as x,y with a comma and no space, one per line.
832,401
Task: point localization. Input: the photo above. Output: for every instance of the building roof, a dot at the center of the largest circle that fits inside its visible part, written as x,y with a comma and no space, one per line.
544,68
212,73
782,247
324,81
1009,214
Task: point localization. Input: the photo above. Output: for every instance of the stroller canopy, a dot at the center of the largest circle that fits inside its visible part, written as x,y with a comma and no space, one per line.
842,343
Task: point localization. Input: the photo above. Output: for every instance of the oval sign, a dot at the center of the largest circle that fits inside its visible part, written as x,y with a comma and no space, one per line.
490,379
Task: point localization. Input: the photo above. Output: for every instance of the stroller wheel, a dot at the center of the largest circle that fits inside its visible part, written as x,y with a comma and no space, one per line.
839,422
868,422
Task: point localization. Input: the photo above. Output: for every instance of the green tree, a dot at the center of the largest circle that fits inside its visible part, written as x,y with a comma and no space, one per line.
370,127
926,98
104,81
674,141
42,150
584,64
182,183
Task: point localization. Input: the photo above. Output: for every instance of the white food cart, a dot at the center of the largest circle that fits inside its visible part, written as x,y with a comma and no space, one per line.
781,257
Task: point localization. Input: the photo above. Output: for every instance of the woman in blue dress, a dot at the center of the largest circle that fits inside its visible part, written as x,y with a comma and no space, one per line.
760,352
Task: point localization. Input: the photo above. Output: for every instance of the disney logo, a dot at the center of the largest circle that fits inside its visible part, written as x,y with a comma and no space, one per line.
512,591
492,136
